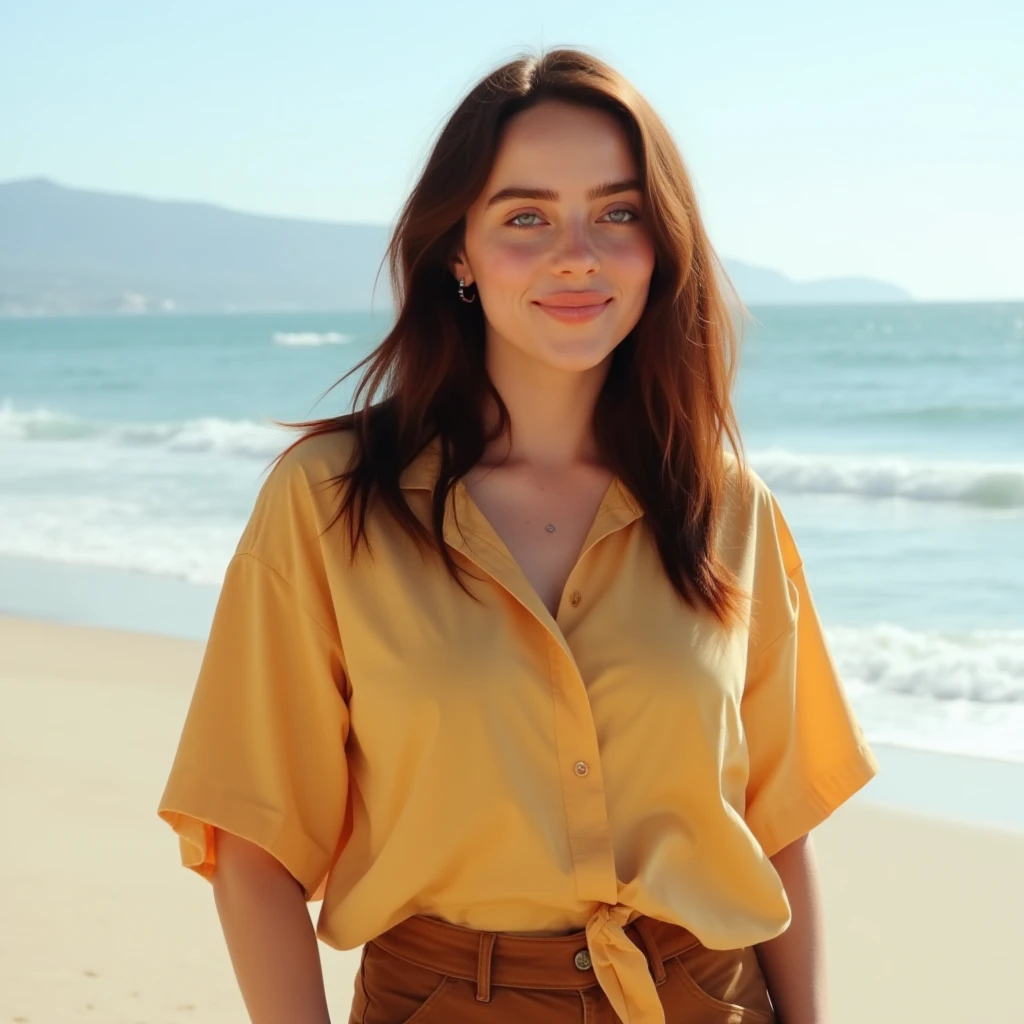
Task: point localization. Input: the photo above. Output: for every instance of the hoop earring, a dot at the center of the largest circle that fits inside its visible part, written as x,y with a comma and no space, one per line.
462,294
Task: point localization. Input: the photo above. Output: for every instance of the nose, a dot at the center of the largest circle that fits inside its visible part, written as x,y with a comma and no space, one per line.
575,251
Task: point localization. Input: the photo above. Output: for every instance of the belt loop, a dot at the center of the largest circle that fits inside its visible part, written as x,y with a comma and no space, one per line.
643,926
483,967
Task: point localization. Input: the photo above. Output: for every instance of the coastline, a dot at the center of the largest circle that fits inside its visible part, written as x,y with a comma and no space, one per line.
958,786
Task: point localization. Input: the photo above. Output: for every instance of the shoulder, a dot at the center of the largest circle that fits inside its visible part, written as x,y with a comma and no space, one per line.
756,514
300,495
746,494
314,459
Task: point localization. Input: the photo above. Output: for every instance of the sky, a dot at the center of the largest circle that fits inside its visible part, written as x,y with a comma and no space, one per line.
880,138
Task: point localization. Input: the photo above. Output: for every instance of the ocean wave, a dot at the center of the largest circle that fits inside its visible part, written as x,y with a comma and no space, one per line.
959,692
306,339
941,672
206,435
981,484
981,666
43,425
123,532
984,485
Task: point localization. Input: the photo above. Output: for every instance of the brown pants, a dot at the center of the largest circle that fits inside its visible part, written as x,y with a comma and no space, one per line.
428,970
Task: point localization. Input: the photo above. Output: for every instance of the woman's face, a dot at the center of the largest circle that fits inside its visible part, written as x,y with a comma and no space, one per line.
538,238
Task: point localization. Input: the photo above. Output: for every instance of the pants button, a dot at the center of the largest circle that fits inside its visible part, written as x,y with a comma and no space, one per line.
582,960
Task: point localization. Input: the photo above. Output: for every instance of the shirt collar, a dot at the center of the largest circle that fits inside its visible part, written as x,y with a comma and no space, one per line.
468,531
421,473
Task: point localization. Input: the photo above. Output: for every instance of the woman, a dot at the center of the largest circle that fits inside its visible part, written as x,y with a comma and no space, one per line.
516,667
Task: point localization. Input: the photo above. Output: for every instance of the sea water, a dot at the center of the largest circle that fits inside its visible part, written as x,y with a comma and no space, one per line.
131,450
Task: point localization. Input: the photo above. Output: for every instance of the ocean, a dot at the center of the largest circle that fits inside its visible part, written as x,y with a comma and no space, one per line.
131,450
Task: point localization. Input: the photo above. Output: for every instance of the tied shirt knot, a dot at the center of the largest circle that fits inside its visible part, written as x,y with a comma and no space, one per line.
620,967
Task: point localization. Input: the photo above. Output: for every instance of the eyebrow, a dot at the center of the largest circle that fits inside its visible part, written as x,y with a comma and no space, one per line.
598,192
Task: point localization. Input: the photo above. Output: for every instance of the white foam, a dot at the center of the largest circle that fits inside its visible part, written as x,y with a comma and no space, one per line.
988,485
42,425
981,484
116,533
956,691
305,339
199,436
984,666
207,435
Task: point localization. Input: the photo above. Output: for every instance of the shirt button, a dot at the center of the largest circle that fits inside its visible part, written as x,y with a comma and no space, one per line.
581,768
582,960
575,598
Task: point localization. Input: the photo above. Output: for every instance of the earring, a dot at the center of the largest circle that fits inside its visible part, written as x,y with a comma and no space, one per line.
462,294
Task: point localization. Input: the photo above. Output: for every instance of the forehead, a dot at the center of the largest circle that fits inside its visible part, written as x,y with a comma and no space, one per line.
557,143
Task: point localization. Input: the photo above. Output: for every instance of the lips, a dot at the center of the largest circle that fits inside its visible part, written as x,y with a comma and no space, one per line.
569,300
575,307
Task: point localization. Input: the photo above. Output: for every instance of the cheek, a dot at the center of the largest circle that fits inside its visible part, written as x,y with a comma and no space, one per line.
511,260
632,257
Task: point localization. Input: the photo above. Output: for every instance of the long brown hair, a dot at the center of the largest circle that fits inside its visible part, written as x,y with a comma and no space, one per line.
665,406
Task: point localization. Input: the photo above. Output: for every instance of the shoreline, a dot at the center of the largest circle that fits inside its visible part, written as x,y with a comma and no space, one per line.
971,788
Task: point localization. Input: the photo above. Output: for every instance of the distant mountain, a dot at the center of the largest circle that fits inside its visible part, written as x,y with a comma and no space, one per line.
760,286
65,250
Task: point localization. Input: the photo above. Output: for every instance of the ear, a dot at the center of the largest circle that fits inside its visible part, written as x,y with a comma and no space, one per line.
461,269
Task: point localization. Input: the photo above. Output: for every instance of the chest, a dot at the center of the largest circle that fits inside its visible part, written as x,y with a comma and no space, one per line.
542,522
433,663
429,661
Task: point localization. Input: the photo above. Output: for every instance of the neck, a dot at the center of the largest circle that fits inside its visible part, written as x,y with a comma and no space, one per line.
551,410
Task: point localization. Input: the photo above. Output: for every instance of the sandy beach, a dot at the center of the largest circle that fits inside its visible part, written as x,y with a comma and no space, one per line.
100,923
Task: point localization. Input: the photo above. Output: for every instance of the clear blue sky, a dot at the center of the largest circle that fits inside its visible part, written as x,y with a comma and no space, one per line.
879,137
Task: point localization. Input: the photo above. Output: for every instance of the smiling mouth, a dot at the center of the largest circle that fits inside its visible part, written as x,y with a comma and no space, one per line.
574,313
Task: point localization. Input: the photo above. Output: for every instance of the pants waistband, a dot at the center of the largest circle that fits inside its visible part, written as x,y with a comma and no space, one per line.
522,961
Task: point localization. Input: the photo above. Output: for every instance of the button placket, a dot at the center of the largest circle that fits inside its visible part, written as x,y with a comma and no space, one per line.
589,833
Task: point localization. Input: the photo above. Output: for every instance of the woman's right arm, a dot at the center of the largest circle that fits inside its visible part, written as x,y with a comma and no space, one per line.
270,937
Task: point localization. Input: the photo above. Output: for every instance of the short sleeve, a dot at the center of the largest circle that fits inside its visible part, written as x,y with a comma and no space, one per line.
262,750
807,752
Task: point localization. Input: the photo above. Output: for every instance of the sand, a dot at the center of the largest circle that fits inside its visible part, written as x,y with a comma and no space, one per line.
100,923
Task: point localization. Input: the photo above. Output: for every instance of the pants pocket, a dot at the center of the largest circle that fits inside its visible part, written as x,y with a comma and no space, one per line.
390,990
717,986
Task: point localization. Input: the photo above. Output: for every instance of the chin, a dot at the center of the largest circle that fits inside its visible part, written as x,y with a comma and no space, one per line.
568,351
576,356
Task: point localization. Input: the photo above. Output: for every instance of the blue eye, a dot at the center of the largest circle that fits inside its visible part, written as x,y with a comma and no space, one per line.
512,223
633,216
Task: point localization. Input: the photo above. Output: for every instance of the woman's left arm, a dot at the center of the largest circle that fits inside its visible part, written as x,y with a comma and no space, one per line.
794,962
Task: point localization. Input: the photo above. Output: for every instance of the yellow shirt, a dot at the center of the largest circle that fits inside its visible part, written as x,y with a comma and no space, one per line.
403,749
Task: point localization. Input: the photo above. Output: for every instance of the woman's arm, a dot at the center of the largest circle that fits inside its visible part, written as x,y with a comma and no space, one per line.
794,963
270,936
